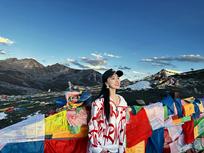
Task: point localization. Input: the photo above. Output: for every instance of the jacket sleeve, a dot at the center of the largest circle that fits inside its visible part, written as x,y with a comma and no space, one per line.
95,127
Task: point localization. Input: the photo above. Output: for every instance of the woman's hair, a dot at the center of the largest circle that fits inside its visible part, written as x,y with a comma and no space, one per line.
106,95
105,91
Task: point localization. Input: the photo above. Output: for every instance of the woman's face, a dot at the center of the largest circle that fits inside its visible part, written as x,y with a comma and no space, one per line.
113,82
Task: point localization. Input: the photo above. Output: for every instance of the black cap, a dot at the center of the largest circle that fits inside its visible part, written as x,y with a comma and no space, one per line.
109,73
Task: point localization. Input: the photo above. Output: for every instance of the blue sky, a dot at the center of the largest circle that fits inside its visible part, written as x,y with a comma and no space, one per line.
139,37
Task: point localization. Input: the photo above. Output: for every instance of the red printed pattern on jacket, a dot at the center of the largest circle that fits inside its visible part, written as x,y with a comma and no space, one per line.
102,134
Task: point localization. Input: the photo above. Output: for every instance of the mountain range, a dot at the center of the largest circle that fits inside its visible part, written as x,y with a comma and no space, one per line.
28,76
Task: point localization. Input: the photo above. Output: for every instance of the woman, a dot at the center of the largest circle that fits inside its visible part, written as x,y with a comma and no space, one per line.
108,120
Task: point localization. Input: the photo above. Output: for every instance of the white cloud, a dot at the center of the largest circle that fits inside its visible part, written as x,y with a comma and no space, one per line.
94,61
191,58
74,62
157,61
166,61
99,67
69,60
5,41
97,55
3,52
111,55
142,73
124,68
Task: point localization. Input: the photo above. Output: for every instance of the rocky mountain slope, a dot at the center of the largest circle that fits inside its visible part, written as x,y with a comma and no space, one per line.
27,76
186,84
191,82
